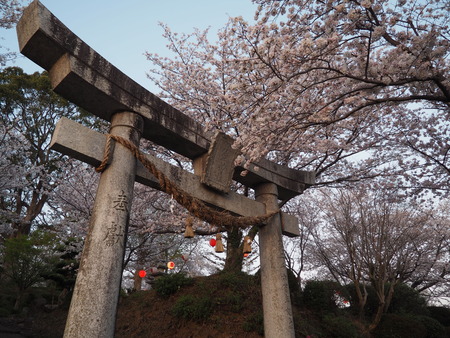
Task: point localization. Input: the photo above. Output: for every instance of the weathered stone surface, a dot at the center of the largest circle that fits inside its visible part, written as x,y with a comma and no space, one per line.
289,225
83,76
217,166
93,306
87,145
278,320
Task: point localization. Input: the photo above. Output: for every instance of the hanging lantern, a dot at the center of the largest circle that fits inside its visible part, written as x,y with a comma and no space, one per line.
246,255
212,242
247,245
189,232
219,245
170,265
142,273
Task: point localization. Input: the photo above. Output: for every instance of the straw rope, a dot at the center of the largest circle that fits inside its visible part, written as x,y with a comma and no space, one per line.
195,206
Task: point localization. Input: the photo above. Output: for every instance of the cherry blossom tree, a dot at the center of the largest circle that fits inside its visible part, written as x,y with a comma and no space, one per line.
375,238
316,84
10,11
299,250
29,109
353,90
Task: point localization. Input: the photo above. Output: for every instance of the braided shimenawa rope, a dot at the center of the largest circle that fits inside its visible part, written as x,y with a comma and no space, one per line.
196,207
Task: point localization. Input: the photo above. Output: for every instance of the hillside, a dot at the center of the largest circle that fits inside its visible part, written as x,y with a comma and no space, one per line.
222,305
229,305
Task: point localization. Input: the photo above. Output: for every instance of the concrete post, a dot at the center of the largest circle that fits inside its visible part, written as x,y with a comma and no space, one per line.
93,308
278,321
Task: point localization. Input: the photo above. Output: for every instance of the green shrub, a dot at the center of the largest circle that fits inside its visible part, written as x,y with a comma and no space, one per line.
340,326
371,303
237,281
169,284
294,286
233,299
441,314
404,300
434,328
320,296
407,300
255,323
395,325
4,312
191,307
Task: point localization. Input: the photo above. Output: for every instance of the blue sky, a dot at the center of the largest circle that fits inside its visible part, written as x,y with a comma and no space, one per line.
121,31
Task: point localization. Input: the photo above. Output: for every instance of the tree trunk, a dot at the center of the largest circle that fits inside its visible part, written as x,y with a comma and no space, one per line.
390,295
137,285
18,301
377,318
362,299
234,258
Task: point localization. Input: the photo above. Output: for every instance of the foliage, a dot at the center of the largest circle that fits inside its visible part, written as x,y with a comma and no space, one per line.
434,328
311,84
29,171
340,326
237,281
441,314
407,300
27,259
377,238
10,11
321,295
169,284
233,299
192,307
408,326
64,272
371,304
255,323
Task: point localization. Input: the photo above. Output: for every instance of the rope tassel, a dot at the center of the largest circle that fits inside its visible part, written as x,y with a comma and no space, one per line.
247,245
189,232
219,245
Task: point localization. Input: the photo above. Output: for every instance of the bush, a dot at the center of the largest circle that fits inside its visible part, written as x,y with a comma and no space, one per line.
340,326
407,300
233,299
434,328
255,323
191,307
372,301
169,284
236,281
441,314
394,325
4,312
321,295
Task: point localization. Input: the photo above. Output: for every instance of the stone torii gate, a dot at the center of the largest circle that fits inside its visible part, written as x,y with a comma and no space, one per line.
82,76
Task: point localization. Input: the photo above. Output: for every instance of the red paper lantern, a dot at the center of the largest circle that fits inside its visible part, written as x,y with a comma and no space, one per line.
142,273
212,242
170,265
246,254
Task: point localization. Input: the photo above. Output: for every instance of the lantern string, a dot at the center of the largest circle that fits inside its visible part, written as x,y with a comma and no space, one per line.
195,206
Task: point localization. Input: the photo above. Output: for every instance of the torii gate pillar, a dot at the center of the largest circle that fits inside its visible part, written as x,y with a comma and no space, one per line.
92,311
278,320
